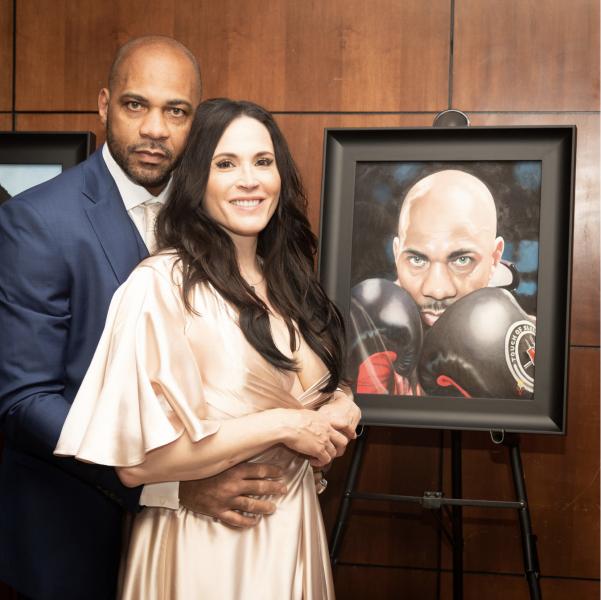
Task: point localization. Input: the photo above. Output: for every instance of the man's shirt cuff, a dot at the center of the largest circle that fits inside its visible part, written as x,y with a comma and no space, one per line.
161,495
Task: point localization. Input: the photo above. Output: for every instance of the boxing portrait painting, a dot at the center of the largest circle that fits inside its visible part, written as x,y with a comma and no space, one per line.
444,265
448,254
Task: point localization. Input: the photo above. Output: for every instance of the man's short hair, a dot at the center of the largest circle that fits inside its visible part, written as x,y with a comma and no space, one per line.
149,40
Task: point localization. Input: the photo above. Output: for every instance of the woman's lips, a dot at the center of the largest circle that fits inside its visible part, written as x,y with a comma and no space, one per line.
246,202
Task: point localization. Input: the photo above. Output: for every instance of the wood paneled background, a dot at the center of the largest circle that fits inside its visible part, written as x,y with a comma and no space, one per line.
370,63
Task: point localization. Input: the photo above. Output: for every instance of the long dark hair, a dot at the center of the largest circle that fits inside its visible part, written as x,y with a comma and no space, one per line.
286,246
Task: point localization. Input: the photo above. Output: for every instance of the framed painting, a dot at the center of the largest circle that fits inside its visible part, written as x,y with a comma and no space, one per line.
448,251
30,158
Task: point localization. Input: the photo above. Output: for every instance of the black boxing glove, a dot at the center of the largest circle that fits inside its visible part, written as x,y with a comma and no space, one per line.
385,329
481,346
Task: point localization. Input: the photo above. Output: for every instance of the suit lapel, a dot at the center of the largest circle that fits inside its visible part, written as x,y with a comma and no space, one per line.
118,236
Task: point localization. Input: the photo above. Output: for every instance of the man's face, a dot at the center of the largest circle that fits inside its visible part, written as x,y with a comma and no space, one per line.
148,113
446,249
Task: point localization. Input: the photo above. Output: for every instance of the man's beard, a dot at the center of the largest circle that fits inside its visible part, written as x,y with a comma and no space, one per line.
123,155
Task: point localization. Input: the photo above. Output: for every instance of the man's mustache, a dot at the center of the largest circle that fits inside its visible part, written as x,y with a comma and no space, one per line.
438,306
148,147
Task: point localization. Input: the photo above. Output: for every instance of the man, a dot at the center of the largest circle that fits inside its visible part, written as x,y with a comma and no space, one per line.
66,246
446,248
447,244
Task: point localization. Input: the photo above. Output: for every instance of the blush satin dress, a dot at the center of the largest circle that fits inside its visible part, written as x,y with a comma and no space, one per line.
160,371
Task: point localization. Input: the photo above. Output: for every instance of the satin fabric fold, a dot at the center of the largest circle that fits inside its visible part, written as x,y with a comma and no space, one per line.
159,371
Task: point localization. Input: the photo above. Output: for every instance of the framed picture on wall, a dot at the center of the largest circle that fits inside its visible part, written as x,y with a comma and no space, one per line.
30,158
448,251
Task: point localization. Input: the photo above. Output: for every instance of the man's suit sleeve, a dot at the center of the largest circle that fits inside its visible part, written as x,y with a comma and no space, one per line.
34,320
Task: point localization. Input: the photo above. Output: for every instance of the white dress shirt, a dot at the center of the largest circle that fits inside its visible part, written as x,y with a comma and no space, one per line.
133,196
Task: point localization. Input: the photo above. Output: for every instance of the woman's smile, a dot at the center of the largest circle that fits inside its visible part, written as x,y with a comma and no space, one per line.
244,183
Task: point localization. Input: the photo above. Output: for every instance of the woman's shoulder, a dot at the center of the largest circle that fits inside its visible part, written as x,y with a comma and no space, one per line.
155,279
162,274
164,265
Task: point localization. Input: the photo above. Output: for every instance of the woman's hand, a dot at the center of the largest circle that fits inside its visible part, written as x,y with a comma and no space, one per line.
344,415
312,433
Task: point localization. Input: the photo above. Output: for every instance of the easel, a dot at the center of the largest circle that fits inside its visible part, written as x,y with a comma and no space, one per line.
436,499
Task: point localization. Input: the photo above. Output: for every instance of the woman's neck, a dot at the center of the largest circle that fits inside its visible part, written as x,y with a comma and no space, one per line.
246,252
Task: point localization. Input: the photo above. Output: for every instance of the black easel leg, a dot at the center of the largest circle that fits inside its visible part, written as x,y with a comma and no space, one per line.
528,538
345,503
457,513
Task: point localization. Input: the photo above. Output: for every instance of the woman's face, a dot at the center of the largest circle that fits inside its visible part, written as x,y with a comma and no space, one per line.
244,182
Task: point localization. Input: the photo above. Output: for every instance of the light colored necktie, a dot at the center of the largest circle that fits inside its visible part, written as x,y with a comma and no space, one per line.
151,210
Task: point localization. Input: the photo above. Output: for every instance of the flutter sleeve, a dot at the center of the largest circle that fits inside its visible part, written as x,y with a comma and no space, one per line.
143,388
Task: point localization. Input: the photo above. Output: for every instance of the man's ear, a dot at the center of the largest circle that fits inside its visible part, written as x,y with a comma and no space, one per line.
396,248
103,104
498,251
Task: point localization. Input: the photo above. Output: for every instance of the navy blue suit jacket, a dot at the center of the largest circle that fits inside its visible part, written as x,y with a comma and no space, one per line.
65,246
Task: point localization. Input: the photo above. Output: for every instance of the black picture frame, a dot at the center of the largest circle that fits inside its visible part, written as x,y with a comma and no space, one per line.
346,150
45,148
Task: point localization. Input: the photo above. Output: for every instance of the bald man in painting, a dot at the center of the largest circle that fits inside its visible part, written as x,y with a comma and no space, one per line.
446,253
447,244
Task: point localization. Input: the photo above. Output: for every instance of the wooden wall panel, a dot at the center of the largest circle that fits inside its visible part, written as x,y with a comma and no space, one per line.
6,54
495,587
62,122
560,589
565,478
562,477
324,56
526,55
5,122
358,583
380,56
64,49
491,587
585,275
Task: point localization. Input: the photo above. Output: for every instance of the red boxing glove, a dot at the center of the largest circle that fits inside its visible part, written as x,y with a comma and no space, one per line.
375,373
384,317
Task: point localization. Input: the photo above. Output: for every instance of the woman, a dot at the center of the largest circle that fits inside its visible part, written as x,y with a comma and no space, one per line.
218,350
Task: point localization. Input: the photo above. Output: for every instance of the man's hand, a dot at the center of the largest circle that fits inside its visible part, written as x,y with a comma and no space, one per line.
228,495
344,416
